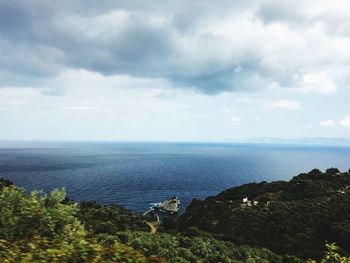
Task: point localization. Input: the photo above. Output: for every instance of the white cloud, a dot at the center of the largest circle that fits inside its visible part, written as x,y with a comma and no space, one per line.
227,109
236,120
151,63
345,122
196,48
284,104
119,94
317,82
328,123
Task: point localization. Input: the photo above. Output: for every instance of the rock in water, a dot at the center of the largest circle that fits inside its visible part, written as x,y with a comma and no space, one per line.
171,205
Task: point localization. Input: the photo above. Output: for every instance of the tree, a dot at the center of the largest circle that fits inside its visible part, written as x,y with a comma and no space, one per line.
332,255
44,228
4,183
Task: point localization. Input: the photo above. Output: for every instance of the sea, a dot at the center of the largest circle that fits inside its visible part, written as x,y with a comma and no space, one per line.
136,175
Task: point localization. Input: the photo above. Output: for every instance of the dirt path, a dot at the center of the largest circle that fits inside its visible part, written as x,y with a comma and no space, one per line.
153,226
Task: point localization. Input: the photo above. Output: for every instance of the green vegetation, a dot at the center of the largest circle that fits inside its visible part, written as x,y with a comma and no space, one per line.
51,228
109,219
295,217
288,222
39,228
182,248
332,255
4,183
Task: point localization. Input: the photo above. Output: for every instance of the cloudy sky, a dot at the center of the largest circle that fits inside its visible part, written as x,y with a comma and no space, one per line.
174,70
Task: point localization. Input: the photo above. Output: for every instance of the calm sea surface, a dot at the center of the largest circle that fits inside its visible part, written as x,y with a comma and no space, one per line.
137,174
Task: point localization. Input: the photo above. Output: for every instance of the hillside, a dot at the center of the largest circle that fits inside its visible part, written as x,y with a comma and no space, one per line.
51,228
280,222
294,217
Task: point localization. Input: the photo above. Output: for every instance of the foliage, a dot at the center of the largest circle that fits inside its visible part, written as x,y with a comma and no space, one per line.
293,217
179,248
332,255
290,218
41,228
109,218
4,183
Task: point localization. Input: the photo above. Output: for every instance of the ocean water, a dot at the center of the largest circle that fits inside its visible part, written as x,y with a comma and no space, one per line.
137,174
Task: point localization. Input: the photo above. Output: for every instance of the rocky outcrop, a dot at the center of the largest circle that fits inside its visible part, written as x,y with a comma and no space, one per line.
170,205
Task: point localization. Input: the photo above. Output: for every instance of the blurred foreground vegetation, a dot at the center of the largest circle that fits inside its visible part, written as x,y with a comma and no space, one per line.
39,228
291,221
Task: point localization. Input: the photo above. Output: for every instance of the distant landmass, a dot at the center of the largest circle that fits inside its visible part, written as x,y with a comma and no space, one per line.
311,140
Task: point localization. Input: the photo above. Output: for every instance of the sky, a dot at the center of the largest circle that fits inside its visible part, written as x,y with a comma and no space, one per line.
174,70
